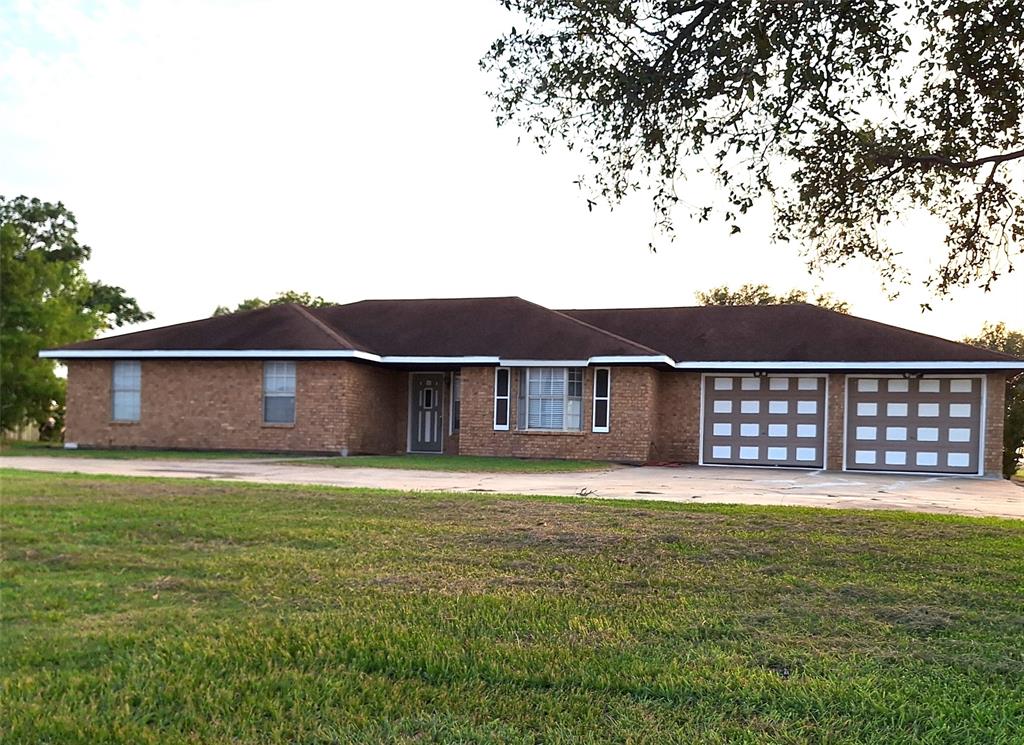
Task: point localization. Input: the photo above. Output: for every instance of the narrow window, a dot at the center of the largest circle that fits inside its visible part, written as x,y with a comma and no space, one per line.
602,398
279,392
501,397
127,391
554,397
456,397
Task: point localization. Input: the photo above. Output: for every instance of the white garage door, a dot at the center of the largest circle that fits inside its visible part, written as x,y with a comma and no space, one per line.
764,421
930,425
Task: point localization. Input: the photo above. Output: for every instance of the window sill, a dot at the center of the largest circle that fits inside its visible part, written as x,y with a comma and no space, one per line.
278,425
123,422
550,432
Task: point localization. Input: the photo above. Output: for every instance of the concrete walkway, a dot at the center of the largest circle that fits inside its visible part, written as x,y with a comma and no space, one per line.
694,484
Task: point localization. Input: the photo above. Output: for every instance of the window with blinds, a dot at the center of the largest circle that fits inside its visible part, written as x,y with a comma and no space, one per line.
126,391
279,392
553,398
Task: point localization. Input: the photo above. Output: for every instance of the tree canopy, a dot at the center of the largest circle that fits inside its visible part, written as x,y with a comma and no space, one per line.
750,294
288,296
998,337
845,116
46,300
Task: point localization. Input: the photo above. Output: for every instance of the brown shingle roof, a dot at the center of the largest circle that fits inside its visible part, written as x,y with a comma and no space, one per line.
507,327
778,333
275,327
511,328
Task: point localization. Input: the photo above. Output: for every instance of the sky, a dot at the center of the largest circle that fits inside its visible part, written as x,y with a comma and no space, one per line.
214,151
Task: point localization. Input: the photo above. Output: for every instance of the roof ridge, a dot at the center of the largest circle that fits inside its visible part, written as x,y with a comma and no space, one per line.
343,340
592,327
425,299
683,307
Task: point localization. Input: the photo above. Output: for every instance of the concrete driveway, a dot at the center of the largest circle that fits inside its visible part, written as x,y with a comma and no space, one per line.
692,484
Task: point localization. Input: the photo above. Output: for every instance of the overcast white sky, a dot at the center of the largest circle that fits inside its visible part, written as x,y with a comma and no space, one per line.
218,150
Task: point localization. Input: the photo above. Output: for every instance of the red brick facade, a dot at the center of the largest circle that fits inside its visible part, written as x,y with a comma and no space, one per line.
995,410
352,407
631,432
677,419
207,404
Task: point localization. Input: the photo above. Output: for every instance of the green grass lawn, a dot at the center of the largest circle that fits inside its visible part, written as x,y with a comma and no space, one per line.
466,463
161,610
21,447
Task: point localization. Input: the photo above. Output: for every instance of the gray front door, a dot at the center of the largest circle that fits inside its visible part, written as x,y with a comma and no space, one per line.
425,409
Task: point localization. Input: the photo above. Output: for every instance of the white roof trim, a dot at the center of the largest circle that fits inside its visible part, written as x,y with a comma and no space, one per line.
72,354
412,360
146,354
141,354
633,358
888,365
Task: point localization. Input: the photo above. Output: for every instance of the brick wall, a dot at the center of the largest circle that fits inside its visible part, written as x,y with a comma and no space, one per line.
995,412
677,418
342,405
213,404
374,406
633,397
835,421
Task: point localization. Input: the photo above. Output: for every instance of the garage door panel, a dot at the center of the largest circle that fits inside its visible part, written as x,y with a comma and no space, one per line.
765,421
913,424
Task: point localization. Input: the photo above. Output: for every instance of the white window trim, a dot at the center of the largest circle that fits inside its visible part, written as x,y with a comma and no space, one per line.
497,398
525,424
451,403
114,391
293,395
606,398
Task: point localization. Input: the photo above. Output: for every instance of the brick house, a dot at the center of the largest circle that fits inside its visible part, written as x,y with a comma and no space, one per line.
785,385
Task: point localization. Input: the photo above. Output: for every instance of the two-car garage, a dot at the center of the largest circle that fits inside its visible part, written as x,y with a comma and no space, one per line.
897,423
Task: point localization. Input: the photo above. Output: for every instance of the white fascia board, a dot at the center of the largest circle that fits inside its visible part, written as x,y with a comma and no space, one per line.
839,366
627,359
543,363
411,360
72,354
83,354
624,359
148,354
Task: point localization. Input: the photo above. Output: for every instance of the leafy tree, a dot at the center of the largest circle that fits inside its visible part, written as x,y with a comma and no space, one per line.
46,300
761,295
288,296
1000,339
844,115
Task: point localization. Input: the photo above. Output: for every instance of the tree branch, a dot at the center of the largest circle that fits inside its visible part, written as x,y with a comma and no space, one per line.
942,160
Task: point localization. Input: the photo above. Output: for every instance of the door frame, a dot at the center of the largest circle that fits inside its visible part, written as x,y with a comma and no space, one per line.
982,413
410,410
777,374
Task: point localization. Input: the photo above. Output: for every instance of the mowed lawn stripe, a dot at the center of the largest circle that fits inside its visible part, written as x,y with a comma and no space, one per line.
160,610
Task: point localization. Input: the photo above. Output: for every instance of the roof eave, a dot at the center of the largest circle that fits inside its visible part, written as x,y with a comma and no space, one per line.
838,366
